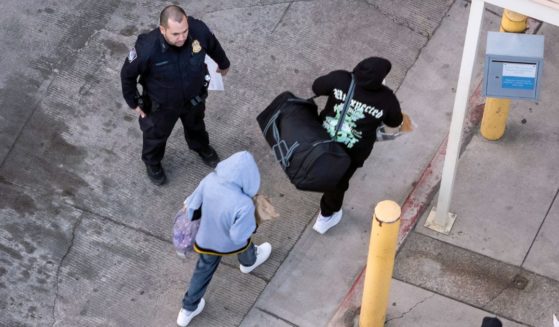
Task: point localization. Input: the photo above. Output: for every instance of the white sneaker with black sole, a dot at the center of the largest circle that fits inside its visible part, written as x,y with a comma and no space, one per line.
323,224
186,316
263,252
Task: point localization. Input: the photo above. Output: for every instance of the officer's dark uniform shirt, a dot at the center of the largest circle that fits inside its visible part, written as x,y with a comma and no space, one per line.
171,76
369,108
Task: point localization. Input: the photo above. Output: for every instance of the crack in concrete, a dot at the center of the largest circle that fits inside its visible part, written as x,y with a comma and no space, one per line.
252,6
428,38
509,285
44,89
41,94
521,269
58,269
402,21
277,317
282,17
136,229
412,308
496,296
540,228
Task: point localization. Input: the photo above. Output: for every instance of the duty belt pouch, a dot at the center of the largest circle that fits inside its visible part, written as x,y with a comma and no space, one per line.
144,102
199,98
312,160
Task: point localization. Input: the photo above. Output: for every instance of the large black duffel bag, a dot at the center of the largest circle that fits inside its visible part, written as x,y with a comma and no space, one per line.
308,155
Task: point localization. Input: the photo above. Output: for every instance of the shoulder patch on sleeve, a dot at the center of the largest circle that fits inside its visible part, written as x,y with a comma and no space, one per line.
132,55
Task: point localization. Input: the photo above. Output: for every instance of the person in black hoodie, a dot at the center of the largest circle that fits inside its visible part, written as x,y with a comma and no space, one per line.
372,105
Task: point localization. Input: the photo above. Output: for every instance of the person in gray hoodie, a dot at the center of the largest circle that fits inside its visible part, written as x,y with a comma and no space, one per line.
223,201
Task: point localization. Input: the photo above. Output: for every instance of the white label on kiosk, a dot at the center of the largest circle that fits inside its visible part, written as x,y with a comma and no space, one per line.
519,76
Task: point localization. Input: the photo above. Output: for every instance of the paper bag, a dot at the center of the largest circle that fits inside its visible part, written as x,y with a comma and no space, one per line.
264,210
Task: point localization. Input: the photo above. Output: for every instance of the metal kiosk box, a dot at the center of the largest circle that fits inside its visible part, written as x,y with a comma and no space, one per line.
513,66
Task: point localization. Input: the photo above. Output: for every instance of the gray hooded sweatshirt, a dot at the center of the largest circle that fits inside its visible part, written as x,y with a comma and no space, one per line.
225,196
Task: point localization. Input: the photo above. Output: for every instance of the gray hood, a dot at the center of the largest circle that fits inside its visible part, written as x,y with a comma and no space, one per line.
240,169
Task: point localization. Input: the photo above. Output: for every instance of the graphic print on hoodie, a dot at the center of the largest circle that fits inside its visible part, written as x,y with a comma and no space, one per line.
349,134
372,105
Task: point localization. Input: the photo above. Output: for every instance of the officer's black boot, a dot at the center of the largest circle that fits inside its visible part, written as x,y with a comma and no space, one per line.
209,156
156,174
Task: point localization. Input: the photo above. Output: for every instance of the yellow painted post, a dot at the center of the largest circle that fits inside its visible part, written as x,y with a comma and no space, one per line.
380,264
513,22
494,119
496,111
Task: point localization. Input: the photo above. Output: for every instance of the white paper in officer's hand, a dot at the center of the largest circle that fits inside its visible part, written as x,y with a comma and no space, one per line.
216,81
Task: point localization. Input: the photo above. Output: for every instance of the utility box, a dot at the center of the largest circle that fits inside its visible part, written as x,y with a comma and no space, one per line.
513,66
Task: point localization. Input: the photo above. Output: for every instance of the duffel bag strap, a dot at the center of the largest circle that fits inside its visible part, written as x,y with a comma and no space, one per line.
347,102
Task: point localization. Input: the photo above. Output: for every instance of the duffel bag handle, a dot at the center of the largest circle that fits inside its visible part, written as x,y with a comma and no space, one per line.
282,151
271,122
303,101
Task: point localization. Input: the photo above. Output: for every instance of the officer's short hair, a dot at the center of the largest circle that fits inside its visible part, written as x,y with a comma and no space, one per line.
173,12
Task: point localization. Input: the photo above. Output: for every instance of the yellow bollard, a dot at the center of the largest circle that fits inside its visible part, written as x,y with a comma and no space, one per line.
496,111
494,120
380,264
513,22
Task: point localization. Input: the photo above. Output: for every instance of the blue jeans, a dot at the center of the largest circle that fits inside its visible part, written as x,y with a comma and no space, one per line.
204,271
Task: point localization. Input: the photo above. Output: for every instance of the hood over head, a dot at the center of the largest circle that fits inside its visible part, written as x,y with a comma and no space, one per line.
240,169
370,72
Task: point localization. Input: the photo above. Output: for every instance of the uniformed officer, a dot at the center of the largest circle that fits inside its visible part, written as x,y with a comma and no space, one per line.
170,64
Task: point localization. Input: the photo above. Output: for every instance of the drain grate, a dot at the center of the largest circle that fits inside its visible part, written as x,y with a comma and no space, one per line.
519,282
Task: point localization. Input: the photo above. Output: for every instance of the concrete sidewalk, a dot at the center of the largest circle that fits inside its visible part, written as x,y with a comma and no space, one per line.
85,237
501,257
503,247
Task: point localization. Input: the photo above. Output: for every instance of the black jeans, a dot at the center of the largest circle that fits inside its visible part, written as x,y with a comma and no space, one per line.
204,271
332,201
157,127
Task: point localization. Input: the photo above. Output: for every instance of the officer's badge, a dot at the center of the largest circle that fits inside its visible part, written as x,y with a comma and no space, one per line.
132,55
196,47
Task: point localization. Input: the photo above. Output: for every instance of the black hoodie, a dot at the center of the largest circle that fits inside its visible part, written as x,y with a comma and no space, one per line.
372,104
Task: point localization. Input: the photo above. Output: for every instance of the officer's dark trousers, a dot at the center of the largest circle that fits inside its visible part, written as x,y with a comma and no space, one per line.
332,201
157,128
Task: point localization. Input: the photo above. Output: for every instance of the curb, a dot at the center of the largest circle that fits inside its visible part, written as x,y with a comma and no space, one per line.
414,206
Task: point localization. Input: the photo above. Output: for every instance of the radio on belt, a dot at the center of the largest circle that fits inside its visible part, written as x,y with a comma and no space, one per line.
513,66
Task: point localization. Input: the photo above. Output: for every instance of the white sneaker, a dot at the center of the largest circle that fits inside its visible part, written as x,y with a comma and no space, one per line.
186,316
323,224
262,254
